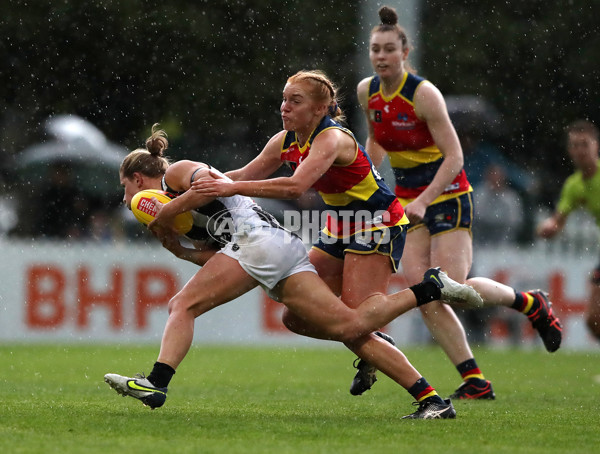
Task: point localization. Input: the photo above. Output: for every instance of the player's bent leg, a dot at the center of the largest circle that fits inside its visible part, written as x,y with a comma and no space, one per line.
475,387
386,358
401,302
493,293
366,374
535,304
440,319
392,362
219,281
310,300
357,289
299,326
452,250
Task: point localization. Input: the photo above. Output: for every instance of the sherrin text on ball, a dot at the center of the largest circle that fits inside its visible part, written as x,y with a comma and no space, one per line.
144,210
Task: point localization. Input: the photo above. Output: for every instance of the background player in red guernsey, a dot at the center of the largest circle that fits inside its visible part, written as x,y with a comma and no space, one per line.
408,122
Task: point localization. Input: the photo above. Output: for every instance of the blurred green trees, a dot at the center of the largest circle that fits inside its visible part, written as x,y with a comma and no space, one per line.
536,61
211,72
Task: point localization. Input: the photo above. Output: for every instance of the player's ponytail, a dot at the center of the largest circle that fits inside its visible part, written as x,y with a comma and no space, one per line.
157,143
149,161
388,16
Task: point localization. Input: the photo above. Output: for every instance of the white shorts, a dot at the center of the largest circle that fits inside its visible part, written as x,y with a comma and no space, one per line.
268,254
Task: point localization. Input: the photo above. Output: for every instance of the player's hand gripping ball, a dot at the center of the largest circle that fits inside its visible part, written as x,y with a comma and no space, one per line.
144,210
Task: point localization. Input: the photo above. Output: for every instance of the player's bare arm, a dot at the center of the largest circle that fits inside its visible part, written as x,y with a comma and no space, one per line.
264,165
431,107
325,152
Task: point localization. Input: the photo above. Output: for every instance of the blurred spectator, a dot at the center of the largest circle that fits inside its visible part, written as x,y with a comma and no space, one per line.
479,154
69,182
60,209
478,123
103,227
498,210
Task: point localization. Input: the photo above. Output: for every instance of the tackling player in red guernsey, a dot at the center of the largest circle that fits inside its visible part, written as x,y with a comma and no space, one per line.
363,239
357,200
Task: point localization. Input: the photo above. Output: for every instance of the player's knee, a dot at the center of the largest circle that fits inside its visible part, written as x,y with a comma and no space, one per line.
293,323
179,303
345,333
342,337
288,320
172,304
356,343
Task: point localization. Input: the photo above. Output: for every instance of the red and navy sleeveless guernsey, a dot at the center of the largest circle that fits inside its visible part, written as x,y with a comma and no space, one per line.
414,156
356,196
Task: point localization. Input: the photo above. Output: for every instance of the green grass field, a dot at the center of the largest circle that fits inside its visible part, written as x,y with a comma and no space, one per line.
285,400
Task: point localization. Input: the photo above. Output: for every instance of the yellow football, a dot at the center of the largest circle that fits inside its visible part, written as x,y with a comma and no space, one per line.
144,210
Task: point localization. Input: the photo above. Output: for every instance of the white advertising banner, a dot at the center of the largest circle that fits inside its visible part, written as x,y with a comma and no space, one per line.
118,293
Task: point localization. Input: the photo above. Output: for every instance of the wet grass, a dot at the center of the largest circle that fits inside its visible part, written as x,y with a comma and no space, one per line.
285,400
